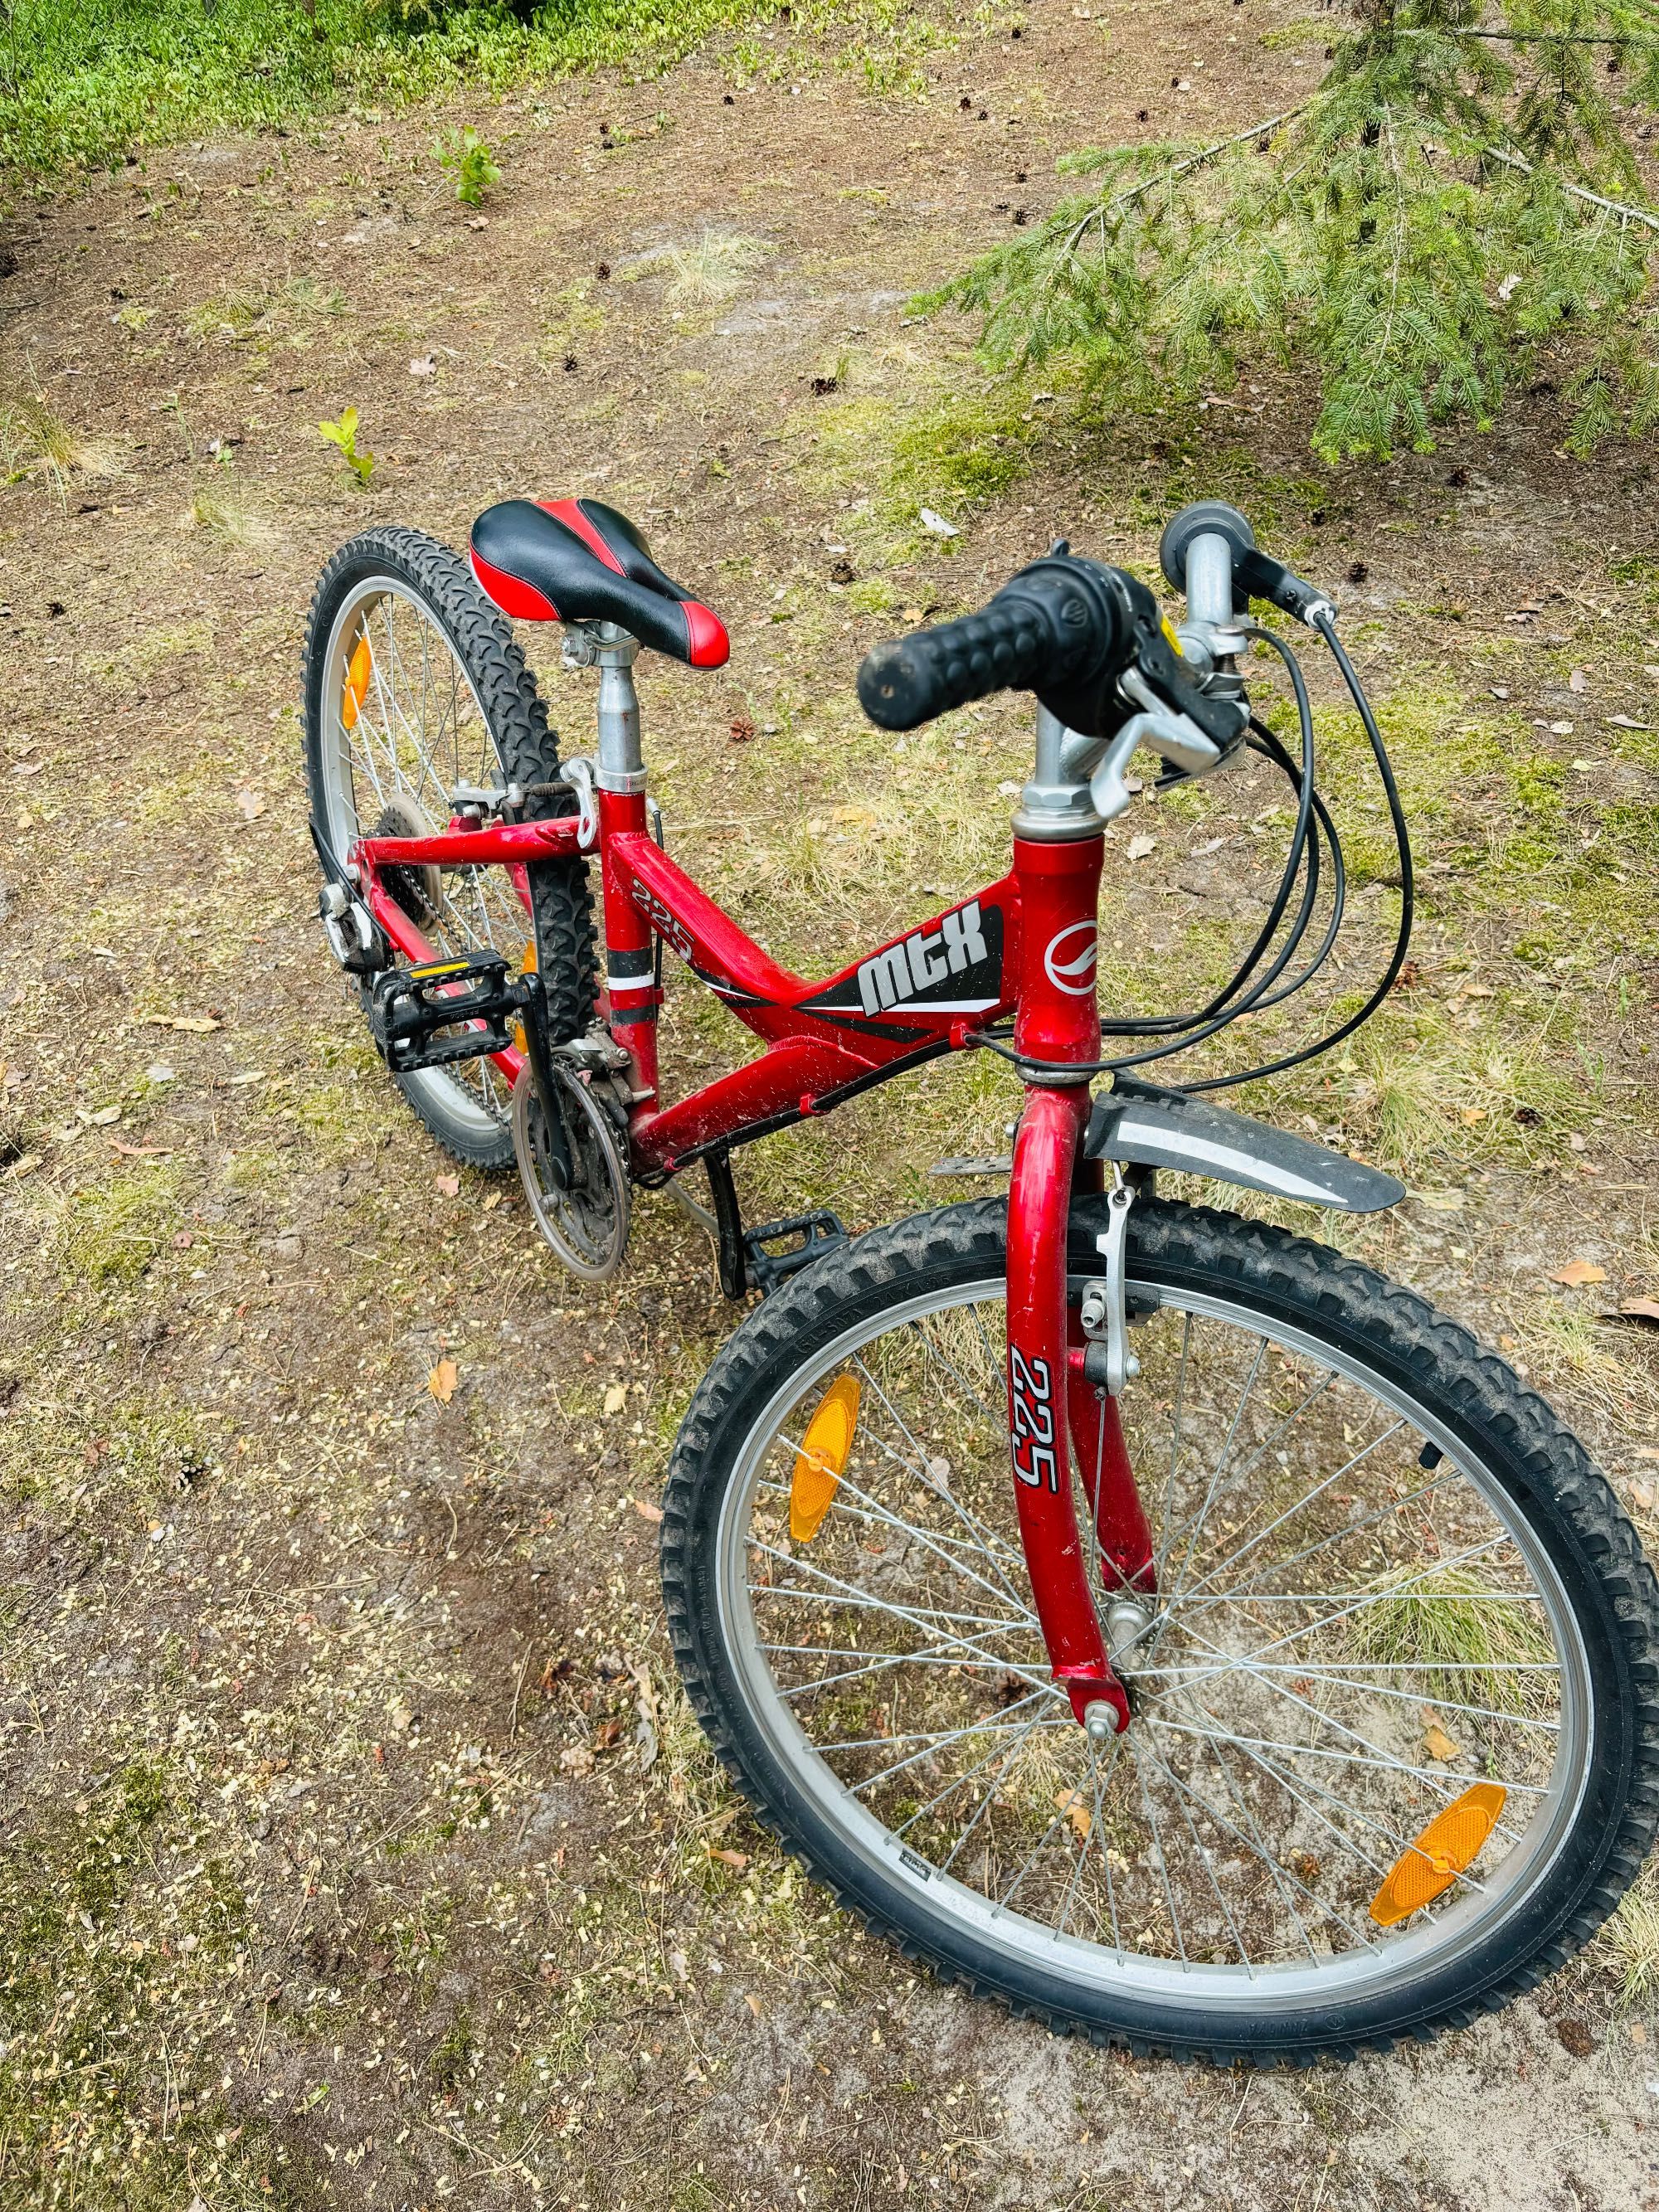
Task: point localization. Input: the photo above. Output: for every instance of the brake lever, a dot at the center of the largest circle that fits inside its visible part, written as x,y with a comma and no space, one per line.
1165,730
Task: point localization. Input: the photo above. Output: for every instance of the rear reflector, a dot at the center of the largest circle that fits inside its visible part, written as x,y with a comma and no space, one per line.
1432,1860
824,1451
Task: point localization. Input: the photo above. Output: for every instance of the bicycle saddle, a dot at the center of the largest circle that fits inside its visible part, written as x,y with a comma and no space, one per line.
577,560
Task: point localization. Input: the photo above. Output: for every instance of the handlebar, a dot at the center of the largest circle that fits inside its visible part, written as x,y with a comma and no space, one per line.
1069,628
1066,628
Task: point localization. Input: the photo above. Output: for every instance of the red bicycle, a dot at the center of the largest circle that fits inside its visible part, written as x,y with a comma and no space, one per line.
1299,1690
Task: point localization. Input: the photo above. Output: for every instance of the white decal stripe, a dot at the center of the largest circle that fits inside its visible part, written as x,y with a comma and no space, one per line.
1227,1159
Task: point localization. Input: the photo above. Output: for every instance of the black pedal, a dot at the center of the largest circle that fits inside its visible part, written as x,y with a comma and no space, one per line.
444,1012
819,1233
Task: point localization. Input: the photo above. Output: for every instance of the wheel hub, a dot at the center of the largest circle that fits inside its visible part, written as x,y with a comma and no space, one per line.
1128,1624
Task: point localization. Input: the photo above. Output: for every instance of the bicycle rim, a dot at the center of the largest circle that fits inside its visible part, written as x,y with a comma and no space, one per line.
418,729
1355,1633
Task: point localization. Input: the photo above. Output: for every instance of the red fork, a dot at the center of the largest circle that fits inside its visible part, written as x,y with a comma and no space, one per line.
1058,1023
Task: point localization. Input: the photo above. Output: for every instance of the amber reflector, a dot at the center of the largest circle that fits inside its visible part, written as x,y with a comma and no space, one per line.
1431,1862
357,683
516,1027
824,1453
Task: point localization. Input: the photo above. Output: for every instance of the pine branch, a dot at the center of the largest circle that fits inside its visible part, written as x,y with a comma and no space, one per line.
1620,208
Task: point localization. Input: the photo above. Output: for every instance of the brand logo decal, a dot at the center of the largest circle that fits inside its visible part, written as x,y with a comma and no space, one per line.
1031,1421
666,925
1070,960
926,959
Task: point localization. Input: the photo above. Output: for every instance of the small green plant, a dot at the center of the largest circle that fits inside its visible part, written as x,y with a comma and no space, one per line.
470,161
343,434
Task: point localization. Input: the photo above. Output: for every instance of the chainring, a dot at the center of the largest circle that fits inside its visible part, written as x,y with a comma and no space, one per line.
583,1216
419,890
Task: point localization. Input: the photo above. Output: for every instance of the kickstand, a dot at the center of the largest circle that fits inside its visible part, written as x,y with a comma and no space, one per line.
728,1225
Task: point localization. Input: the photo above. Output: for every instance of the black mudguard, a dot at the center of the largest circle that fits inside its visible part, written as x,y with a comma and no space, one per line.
1143,1126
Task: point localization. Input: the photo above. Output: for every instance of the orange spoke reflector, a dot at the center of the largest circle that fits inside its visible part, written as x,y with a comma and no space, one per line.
516,1027
824,1450
357,683
1431,1861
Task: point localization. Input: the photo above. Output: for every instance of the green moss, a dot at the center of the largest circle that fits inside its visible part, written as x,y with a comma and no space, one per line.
110,1231
86,1982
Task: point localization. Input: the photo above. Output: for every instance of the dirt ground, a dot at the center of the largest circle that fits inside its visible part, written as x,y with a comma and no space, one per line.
332,1874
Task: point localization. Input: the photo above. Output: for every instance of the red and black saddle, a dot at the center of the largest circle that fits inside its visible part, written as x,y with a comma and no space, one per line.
577,560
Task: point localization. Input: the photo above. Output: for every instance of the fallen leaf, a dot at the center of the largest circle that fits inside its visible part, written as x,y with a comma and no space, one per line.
1471,1114
1442,1201
938,525
1439,1744
753,2002
615,1397
1141,845
608,1734
250,805
1641,1496
1073,1805
1624,722
647,1510
102,1118
1640,1309
442,1380
860,816
1578,1272
27,1165
448,1185
737,1859
198,1025
1578,680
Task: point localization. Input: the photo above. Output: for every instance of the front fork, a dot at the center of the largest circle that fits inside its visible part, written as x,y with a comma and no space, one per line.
1051,1396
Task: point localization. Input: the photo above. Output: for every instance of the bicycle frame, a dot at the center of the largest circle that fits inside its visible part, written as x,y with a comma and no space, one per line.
1026,944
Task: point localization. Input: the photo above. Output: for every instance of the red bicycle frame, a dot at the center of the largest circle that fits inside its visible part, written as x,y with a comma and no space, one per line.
1026,945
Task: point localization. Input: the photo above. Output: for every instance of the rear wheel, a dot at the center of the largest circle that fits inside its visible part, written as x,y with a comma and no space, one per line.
414,685
1391,1588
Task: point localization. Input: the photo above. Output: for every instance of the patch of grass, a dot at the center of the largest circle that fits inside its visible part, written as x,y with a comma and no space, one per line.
1451,1625
110,1231
36,441
93,1962
1630,1941
713,267
217,512
91,79
244,314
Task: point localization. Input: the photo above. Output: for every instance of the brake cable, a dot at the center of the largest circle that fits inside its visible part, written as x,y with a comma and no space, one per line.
1195,1029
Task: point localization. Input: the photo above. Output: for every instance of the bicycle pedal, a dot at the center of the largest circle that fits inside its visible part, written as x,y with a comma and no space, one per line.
444,1012
818,1232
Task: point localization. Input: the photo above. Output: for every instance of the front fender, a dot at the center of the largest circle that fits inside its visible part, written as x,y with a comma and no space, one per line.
1144,1126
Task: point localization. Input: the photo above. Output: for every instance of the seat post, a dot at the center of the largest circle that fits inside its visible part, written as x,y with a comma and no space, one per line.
621,762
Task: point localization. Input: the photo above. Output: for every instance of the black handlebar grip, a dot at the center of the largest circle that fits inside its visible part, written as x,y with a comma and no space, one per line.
1004,647
1061,628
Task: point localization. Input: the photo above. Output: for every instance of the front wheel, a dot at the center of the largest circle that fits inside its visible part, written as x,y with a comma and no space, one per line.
1394,1752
